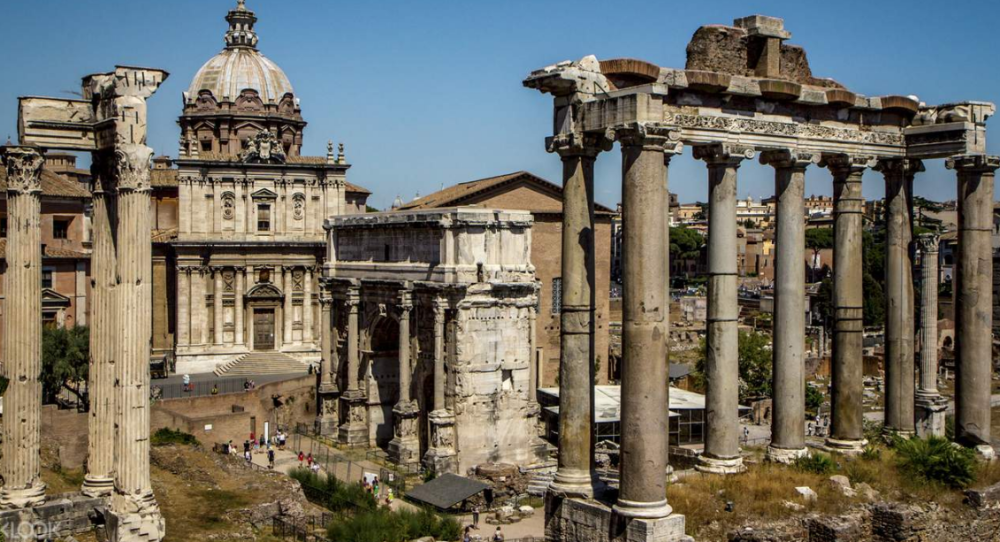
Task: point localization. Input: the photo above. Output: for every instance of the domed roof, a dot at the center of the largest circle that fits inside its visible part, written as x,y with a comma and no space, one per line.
240,66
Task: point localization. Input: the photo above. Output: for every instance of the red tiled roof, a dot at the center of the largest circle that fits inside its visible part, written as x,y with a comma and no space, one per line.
457,194
53,185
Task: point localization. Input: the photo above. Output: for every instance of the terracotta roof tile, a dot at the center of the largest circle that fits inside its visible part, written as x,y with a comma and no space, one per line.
457,194
53,185
50,252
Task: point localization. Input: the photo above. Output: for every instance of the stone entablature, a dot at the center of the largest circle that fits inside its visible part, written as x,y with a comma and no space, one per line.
440,332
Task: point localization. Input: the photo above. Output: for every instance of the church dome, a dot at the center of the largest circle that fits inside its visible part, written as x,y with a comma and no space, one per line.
240,66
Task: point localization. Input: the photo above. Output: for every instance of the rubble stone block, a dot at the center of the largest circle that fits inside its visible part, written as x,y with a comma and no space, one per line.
835,529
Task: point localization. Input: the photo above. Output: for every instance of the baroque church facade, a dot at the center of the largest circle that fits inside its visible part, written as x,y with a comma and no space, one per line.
239,264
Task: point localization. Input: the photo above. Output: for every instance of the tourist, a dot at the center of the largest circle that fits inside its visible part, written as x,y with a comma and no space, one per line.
215,389
302,457
309,459
475,517
314,468
248,456
375,485
498,535
263,441
389,498
467,537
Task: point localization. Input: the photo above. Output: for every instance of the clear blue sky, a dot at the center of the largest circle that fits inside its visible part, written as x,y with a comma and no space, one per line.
428,93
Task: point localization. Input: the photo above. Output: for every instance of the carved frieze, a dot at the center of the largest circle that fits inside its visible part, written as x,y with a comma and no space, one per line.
787,129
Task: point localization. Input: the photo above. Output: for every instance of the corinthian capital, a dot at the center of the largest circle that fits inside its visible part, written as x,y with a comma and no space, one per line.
24,169
788,159
847,164
928,242
724,154
650,136
899,167
579,144
132,167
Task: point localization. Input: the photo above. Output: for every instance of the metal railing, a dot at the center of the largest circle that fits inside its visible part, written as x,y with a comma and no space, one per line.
342,467
303,530
178,390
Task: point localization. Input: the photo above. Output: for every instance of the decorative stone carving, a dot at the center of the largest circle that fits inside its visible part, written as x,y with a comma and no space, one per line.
577,144
228,206
263,148
650,136
132,167
24,168
298,206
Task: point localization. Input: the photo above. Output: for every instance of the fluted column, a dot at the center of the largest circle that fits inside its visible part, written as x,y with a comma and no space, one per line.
847,430
289,313
99,480
930,405
326,353
20,465
973,287
405,446
789,326
575,473
217,306
440,305
133,502
238,307
532,361
354,429
722,447
307,306
441,455
645,322
183,298
899,313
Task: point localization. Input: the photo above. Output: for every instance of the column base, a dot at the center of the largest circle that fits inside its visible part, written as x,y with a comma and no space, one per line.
931,412
354,431
98,486
644,510
135,519
785,456
572,483
404,449
327,419
889,431
571,520
27,497
441,457
712,465
985,452
845,447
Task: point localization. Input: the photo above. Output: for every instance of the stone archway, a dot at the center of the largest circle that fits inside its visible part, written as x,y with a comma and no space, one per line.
380,351
264,308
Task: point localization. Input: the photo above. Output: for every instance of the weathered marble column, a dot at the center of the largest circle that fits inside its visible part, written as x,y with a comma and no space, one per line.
722,446
532,362
575,474
405,446
899,331
645,322
99,480
135,513
353,428
930,405
218,318
288,312
183,300
307,306
440,457
847,430
326,413
20,465
788,439
973,287
238,307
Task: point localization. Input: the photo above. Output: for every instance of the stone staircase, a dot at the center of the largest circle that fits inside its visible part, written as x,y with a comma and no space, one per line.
262,363
541,479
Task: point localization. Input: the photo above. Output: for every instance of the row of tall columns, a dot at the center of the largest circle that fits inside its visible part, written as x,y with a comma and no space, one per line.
22,345
973,287
722,453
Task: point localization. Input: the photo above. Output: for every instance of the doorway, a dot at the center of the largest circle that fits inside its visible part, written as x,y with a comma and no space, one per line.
263,329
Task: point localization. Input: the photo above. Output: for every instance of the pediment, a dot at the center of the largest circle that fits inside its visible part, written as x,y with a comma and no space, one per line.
264,291
264,193
51,297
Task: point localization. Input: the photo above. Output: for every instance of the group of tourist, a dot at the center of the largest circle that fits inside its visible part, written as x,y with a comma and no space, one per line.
256,444
373,487
819,427
468,536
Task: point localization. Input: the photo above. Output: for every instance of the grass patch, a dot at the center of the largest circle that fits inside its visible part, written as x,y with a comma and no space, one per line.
816,463
382,525
165,437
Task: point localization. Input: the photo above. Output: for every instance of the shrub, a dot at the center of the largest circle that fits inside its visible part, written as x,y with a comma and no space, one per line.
816,464
873,431
871,452
382,525
814,398
936,459
166,436
330,492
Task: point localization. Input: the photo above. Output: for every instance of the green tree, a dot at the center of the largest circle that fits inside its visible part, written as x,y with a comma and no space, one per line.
819,238
873,275
65,356
754,365
685,243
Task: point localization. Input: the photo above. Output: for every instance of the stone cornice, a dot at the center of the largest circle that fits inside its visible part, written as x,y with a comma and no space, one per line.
579,145
788,159
977,163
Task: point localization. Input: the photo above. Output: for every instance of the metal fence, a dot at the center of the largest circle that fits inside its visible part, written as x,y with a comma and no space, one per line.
342,467
304,530
177,390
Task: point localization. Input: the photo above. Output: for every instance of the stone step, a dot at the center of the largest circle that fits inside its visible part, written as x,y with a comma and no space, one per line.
262,363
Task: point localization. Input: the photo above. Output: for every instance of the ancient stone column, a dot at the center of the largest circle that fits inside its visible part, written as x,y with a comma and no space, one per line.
440,457
930,405
135,514
307,306
899,332
217,306
354,428
238,306
183,299
973,287
722,446
645,322
20,465
99,480
575,473
289,312
532,363
847,430
405,446
326,413
788,439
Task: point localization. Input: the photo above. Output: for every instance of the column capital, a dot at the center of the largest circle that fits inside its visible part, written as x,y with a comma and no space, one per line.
650,136
899,167
724,154
788,159
978,163
132,167
405,301
353,297
325,302
847,164
24,169
928,242
440,305
576,144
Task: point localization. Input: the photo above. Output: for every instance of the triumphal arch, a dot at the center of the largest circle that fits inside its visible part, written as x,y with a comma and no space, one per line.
746,94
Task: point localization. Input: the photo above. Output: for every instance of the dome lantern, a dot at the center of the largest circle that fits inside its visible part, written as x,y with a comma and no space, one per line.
241,21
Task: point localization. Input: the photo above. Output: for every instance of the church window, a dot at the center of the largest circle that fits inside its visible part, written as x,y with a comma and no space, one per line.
60,228
263,217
